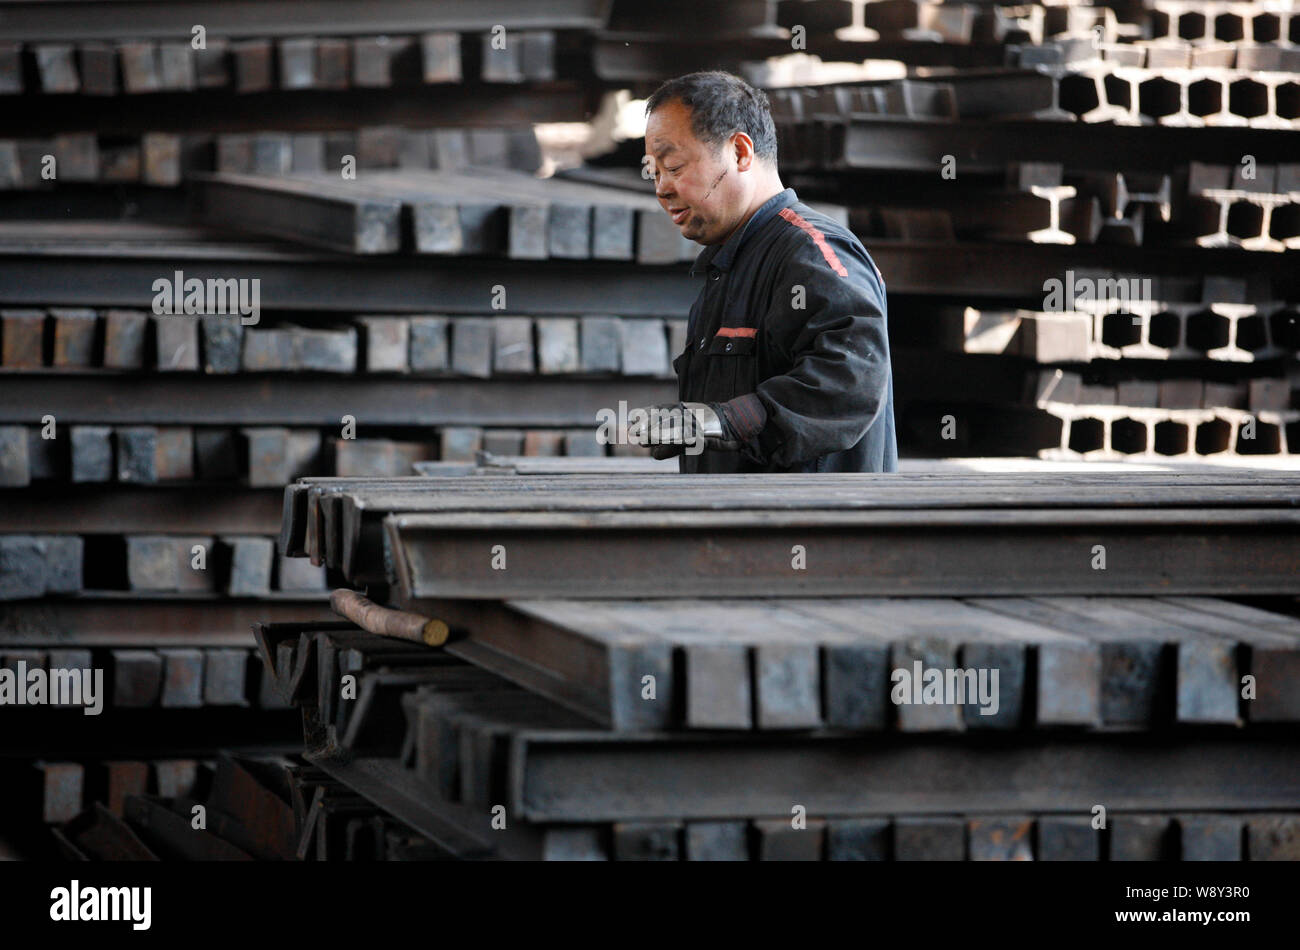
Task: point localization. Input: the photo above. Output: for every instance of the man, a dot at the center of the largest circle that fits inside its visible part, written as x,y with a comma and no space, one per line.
786,366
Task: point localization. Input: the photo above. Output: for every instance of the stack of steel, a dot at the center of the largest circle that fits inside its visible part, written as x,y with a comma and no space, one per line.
143,447
1142,161
930,666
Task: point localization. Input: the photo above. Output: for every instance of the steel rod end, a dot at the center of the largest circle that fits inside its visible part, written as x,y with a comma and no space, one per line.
436,633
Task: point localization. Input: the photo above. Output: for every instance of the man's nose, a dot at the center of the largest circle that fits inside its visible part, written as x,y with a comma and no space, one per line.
662,188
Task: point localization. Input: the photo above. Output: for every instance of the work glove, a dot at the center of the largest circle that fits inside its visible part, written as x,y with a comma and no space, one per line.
672,428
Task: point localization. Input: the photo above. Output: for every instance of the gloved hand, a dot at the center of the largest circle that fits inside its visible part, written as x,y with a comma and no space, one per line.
676,427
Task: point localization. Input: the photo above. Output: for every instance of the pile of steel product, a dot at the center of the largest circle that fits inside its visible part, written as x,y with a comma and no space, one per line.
927,666
143,450
1164,129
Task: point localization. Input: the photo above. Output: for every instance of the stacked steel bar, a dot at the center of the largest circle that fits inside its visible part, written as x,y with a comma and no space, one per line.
1205,368
734,697
83,76
167,160
472,212
255,807
483,769
565,526
140,443
1163,374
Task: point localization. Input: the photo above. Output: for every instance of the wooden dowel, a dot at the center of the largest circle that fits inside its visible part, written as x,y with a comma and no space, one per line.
387,622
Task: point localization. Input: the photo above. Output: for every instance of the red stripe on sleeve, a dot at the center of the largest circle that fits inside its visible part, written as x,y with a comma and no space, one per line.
819,239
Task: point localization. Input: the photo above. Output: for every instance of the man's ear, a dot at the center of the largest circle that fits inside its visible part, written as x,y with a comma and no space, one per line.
743,147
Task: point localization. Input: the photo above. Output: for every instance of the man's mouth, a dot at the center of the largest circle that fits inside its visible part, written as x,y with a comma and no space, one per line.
679,215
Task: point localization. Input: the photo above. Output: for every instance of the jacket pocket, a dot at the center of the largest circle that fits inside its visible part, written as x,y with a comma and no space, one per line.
732,367
732,345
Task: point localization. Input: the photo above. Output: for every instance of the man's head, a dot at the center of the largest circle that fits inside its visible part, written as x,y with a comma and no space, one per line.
712,145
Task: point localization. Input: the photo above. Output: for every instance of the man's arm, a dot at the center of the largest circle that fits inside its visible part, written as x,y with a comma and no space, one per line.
839,380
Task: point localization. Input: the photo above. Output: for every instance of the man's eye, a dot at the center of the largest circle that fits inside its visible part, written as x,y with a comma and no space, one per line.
673,171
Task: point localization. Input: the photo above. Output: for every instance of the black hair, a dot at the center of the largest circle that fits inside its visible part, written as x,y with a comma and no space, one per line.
721,104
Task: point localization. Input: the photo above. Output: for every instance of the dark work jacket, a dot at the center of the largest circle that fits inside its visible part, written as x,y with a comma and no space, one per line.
789,334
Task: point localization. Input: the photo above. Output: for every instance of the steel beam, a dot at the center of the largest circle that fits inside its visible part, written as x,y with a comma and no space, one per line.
603,777
346,530
208,112
356,222
165,827
632,57
598,676
97,834
244,400
136,622
109,269
32,20
464,832
352,539
111,509
1099,667
204,112
116,266
87,273
959,553
987,146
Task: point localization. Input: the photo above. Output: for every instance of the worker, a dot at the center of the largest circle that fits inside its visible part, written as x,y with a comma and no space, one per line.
786,366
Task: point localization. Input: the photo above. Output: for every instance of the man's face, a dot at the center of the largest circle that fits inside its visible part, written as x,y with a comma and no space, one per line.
697,185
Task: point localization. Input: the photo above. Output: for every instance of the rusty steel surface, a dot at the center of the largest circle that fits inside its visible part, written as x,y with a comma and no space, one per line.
79,19
98,270
600,777
247,400
968,553
159,620
1101,663
345,531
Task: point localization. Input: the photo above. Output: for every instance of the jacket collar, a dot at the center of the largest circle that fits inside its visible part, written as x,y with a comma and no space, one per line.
722,256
